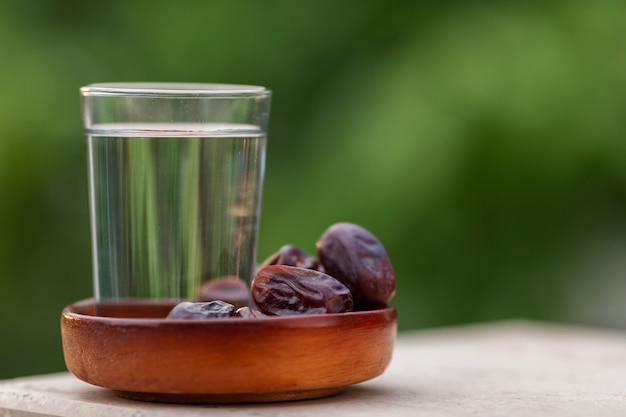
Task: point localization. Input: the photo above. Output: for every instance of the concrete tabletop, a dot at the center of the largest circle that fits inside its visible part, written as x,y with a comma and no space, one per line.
514,368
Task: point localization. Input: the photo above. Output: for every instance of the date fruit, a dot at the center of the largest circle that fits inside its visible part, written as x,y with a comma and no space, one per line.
231,289
199,310
284,289
354,256
293,256
248,313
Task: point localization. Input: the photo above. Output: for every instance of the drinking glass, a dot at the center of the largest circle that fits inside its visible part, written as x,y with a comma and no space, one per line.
175,181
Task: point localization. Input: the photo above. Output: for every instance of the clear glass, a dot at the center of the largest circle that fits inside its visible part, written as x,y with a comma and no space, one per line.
175,183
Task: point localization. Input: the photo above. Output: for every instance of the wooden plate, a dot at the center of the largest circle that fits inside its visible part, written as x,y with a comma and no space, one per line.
132,349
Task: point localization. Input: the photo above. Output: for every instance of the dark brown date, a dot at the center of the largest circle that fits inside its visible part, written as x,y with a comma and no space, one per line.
293,256
283,289
356,257
213,309
248,313
230,288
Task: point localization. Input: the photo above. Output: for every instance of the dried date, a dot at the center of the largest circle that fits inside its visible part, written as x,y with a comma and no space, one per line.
293,256
199,310
354,256
283,289
231,289
248,313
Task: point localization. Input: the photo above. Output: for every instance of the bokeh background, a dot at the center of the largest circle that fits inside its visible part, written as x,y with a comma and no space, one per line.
482,142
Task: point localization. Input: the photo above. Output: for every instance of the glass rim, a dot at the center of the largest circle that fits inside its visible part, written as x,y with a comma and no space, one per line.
177,89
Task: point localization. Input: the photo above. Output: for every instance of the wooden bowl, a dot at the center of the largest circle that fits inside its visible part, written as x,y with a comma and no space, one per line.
132,349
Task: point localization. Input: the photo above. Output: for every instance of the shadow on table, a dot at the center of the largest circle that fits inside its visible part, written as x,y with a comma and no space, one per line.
356,397
360,399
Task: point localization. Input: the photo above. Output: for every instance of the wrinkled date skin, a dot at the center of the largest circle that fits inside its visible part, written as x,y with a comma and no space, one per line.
356,257
198,310
293,256
283,289
249,313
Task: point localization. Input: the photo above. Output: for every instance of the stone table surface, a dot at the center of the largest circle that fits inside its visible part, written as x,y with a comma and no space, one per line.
513,368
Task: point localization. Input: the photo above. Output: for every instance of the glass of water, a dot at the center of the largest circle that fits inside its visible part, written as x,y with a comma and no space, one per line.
175,182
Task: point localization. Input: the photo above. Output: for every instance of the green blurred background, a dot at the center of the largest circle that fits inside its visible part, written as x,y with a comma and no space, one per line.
483,143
